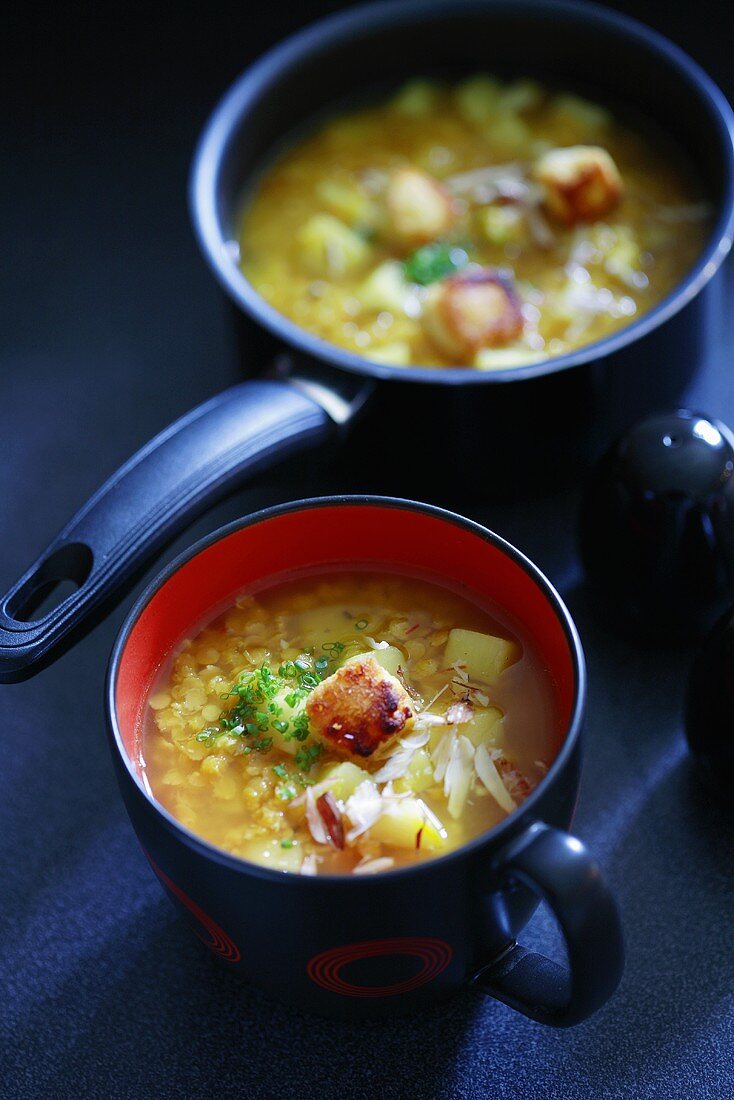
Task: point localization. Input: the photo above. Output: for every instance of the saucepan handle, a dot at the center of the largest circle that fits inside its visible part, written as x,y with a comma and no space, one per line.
562,872
186,468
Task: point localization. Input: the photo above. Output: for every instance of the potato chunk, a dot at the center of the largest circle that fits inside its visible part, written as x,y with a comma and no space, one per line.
409,824
396,354
419,775
502,358
347,202
390,658
419,208
581,183
470,311
580,117
359,707
484,656
507,134
344,779
485,727
385,288
478,98
270,854
522,95
328,247
503,225
416,99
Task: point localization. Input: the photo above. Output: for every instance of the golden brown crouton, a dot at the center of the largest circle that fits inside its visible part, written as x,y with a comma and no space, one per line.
581,183
359,707
473,310
419,208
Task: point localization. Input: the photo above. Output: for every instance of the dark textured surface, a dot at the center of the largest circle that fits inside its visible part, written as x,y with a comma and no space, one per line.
111,326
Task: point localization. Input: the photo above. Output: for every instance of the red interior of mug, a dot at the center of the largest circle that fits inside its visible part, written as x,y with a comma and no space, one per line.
379,536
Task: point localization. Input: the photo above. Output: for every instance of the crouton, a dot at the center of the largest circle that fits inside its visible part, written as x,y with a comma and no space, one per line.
476,309
419,208
358,708
580,184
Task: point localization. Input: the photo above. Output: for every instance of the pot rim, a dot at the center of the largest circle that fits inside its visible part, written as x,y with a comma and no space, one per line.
318,37
495,837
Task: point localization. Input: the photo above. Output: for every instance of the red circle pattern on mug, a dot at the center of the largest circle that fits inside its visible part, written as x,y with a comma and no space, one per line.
325,968
213,936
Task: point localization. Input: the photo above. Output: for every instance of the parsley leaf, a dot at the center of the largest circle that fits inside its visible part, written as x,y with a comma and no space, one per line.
433,261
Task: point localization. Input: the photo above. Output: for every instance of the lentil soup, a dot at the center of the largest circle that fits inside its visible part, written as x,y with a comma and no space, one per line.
349,723
484,224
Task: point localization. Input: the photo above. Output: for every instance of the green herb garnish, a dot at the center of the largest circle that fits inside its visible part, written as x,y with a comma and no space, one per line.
300,726
209,734
257,715
433,261
308,755
286,792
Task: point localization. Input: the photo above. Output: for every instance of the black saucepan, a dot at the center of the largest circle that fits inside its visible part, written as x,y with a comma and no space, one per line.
488,430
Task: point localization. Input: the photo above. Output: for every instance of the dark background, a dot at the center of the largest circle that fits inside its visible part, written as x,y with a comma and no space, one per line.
110,326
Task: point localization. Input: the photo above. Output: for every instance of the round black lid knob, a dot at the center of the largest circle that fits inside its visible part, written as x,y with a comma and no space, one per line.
709,713
657,525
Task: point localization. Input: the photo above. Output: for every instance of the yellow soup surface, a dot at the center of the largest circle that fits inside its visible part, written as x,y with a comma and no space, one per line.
484,224
349,723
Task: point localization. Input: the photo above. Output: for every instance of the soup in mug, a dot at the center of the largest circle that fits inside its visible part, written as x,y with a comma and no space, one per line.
484,224
351,723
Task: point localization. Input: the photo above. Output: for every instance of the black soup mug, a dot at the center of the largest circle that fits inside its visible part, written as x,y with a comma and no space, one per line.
355,946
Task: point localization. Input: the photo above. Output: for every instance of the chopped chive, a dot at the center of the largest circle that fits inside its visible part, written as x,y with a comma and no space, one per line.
308,755
285,793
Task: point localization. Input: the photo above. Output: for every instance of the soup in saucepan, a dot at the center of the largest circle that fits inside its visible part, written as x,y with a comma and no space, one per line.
483,225
350,723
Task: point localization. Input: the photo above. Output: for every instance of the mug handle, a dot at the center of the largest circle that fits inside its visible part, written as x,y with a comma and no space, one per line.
148,501
560,870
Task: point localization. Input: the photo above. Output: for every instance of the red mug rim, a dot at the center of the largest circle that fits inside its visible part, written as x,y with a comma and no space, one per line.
504,829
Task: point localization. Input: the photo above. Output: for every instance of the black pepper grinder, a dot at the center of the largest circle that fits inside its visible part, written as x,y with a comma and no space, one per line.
709,713
657,525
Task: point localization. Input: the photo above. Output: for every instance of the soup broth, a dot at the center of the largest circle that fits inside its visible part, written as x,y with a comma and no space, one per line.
485,225
351,723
